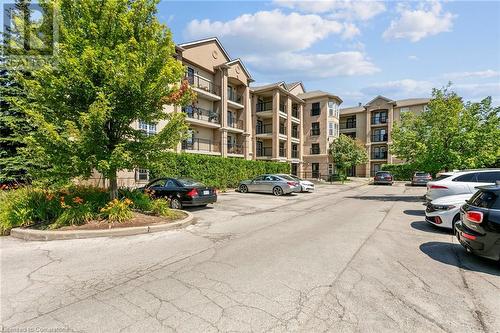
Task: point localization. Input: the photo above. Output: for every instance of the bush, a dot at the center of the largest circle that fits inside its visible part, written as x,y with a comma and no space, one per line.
402,171
214,171
75,215
161,207
140,200
117,210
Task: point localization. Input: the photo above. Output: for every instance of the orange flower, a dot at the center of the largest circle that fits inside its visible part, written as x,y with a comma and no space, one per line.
78,200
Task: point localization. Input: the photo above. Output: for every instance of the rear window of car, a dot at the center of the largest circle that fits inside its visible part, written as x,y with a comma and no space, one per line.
190,182
383,174
468,177
287,177
485,199
421,174
440,177
488,177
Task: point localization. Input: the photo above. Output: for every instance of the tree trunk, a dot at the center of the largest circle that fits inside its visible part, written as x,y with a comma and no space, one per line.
113,186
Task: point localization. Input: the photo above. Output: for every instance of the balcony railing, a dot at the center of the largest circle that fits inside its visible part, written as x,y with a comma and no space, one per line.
379,137
295,154
314,131
264,129
379,155
235,124
282,152
295,113
348,125
200,144
295,133
382,119
235,97
282,130
233,148
201,114
264,106
203,84
282,108
264,152
315,151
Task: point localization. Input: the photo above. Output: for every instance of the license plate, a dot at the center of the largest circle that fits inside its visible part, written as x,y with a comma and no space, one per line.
206,192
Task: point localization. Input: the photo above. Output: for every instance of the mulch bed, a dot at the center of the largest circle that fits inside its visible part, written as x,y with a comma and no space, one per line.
139,220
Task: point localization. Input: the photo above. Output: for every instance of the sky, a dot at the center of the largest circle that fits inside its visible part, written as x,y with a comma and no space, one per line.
354,49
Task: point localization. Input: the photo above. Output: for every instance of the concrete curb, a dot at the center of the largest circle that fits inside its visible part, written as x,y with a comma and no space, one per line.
44,235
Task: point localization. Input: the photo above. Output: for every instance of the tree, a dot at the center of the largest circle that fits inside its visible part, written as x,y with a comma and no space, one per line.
450,135
347,152
115,65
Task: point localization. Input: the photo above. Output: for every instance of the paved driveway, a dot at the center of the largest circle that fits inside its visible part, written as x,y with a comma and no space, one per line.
347,258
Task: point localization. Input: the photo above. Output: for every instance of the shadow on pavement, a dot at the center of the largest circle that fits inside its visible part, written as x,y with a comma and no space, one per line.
414,212
403,198
427,227
455,255
198,208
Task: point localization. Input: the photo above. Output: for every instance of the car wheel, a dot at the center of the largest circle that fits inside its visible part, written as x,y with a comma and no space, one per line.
175,203
243,189
277,191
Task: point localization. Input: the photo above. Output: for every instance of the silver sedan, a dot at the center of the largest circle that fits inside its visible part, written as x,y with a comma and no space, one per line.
274,184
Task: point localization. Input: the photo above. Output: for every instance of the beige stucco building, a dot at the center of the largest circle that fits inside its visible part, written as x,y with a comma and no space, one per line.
372,124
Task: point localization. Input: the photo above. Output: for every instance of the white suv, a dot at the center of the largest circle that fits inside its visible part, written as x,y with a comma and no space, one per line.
461,182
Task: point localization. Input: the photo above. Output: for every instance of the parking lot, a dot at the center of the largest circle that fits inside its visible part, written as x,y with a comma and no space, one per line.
348,258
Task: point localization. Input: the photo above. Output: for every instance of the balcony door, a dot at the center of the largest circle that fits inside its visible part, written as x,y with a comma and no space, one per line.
230,119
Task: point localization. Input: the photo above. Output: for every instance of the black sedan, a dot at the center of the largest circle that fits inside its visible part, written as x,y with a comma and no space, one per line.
182,192
479,228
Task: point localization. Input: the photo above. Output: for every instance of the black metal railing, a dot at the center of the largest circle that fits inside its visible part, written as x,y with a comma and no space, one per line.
203,84
295,154
348,125
232,96
235,124
379,137
264,129
264,106
200,144
234,148
201,114
315,151
382,155
315,131
282,152
379,119
264,152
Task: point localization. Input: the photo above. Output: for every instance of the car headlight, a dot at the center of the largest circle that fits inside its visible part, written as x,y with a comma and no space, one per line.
443,207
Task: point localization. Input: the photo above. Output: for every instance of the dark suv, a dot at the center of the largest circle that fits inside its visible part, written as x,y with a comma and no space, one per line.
479,228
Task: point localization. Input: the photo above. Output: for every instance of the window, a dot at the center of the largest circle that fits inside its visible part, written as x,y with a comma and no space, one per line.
379,117
488,177
190,75
148,128
485,199
331,129
330,169
142,175
469,177
157,183
331,109
315,128
315,109
379,135
315,170
170,184
403,110
315,149
426,108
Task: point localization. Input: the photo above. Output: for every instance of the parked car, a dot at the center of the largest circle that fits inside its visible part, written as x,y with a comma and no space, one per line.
461,182
421,178
182,192
383,177
305,185
275,184
444,212
479,227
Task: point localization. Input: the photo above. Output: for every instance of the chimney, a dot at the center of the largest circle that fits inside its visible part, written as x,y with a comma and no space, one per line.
359,104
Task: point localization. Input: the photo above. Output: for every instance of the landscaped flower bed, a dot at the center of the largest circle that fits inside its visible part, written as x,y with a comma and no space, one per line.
81,208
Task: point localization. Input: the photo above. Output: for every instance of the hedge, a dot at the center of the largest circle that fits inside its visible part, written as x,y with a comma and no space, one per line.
214,171
403,171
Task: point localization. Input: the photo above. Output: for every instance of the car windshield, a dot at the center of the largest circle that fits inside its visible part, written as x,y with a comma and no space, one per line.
189,182
421,174
440,177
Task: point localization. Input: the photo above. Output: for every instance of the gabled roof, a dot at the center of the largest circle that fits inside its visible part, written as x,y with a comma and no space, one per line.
268,86
380,97
238,60
412,101
318,93
291,85
204,41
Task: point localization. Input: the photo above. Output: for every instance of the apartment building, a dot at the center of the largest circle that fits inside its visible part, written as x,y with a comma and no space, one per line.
320,128
277,117
372,124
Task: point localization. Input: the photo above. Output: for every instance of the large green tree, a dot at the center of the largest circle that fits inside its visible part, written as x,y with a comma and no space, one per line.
347,152
114,65
450,135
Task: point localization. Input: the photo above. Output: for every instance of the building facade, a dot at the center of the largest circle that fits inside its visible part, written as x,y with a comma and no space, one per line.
320,128
372,124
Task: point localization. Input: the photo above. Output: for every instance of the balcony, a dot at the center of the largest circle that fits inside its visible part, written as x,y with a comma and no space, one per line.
295,133
295,154
233,148
264,152
200,145
235,124
315,131
314,151
264,129
379,138
282,130
348,125
201,114
235,100
382,155
204,86
379,120
282,107
282,152
295,113
264,106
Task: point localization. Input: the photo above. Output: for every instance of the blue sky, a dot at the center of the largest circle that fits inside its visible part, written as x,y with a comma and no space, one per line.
355,49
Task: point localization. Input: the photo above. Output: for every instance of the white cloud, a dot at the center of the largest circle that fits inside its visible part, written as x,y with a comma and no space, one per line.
268,31
489,73
400,88
414,24
313,66
350,31
477,91
413,57
341,9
